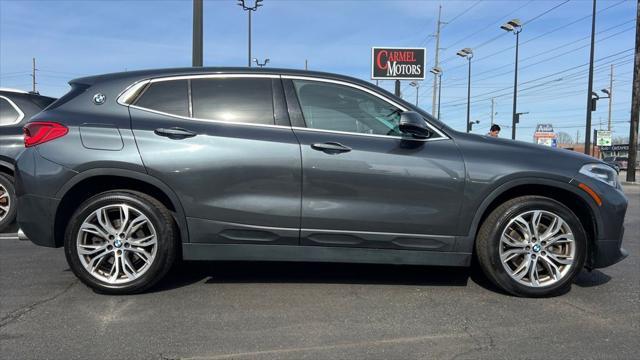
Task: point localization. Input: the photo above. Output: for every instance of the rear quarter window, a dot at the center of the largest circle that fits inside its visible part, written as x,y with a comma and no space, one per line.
171,97
9,115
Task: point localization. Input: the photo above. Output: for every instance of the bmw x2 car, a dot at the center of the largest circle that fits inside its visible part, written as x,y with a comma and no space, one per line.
131,170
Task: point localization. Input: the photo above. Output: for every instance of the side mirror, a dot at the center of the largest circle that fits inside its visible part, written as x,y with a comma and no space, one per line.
413,123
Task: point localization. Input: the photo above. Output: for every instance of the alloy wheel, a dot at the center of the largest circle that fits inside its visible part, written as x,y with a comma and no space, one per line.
537,248
117,243
5,202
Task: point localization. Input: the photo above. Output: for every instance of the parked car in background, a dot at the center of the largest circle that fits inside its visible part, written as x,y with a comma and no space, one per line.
16,107
622,162
611,161
131,170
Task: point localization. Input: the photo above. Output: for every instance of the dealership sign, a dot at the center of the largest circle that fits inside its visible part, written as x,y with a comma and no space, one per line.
544,135
397,63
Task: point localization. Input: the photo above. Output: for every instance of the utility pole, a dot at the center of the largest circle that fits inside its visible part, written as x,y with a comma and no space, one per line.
610,97
397,89
635,107
196,54
437,61
306,64
577,136
587,130
492,109
33,75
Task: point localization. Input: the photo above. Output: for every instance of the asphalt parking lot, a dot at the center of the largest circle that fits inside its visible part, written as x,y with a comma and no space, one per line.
316,311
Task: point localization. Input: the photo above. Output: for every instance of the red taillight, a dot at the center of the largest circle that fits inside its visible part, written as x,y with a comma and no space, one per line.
40,132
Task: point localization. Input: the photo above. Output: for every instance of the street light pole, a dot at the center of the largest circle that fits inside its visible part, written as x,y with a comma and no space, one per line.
249,9
416,85
468,54
514,26
196,55
515,89
249,42
587,131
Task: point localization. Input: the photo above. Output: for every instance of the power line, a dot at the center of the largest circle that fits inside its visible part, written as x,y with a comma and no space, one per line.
548,76
481,58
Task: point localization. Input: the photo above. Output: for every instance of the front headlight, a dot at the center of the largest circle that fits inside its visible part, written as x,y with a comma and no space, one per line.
601,172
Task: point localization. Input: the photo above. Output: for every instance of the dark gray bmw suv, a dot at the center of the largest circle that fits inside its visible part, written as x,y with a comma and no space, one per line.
129,171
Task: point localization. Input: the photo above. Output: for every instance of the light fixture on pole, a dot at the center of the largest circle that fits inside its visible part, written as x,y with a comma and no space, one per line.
473,123
249,9
514,26
263,64
438,72
468,54
416,85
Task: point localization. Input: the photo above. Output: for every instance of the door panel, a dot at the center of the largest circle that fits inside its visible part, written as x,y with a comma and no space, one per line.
364,184
384,193
238,182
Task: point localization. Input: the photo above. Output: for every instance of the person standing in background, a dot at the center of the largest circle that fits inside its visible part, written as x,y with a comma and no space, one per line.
494,131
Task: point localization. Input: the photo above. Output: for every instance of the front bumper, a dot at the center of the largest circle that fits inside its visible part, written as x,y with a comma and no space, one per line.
606,249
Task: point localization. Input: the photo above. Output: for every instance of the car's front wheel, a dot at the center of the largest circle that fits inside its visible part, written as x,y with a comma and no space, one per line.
121,242
531,246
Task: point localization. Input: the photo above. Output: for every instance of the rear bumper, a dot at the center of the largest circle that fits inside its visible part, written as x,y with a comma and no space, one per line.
36,218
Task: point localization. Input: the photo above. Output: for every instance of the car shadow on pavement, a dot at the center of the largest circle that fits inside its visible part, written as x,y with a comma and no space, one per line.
591,278
190,272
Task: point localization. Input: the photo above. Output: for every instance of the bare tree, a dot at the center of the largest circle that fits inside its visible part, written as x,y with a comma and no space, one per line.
564,138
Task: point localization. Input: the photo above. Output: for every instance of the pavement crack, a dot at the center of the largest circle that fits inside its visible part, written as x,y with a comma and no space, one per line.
16,314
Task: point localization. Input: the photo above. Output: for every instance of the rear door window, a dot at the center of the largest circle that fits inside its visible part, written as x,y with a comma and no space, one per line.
171,97
8,114
243,100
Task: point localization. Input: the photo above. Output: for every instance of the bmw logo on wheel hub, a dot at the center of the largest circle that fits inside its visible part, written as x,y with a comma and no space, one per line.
536,248
117,243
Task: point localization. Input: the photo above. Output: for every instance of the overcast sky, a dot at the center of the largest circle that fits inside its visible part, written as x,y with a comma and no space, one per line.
75,38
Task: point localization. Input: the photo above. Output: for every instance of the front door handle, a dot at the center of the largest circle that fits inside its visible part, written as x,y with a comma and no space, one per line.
175,133
331,147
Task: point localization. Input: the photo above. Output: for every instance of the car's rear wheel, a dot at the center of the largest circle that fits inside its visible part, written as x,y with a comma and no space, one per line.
121,242
8,205
532,246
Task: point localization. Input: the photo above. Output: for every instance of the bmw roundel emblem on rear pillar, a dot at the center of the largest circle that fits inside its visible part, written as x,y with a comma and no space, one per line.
99,98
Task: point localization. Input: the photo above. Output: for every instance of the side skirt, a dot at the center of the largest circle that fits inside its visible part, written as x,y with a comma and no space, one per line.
235,252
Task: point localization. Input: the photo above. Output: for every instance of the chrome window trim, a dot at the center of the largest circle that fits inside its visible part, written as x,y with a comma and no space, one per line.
132,89
371,92
126,95
213,76
20,113
369,135
13,90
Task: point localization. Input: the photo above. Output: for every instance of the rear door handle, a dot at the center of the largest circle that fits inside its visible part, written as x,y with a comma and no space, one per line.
175,133
331,147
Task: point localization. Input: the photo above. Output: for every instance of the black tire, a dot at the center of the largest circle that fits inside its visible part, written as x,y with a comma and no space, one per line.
10,216
160,218
488,243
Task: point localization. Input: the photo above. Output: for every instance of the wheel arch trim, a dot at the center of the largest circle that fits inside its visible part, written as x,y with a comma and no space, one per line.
466,243
179,213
